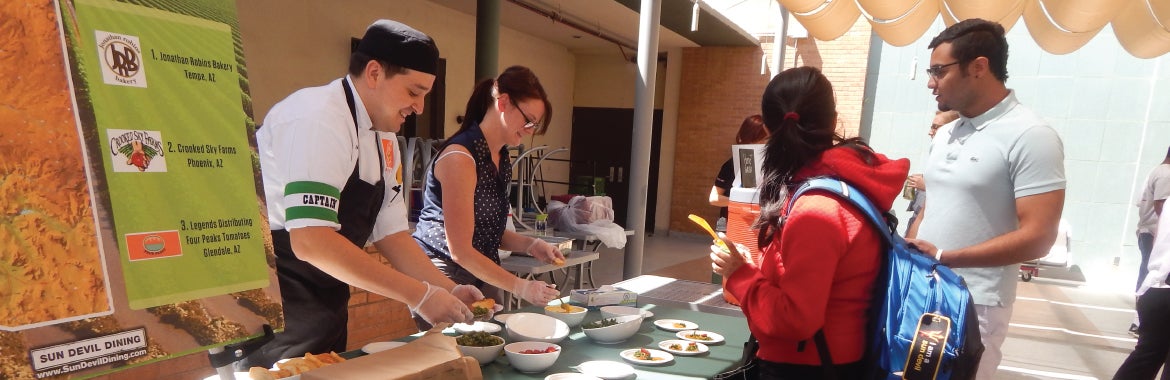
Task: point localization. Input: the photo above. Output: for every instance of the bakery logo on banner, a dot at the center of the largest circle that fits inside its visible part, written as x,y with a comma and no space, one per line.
153,245
121,59
136,151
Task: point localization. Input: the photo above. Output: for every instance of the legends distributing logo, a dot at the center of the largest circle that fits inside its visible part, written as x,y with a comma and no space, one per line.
153,245
136,151
121,59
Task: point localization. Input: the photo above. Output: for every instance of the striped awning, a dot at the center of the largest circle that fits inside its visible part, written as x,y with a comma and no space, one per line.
1058,26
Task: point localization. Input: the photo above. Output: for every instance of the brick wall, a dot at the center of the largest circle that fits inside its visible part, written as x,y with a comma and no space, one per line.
723,85
372,318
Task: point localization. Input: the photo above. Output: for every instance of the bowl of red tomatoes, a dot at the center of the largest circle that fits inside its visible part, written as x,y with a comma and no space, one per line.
532,357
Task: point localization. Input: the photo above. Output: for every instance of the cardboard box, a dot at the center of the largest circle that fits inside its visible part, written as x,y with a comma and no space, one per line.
603,297
433,356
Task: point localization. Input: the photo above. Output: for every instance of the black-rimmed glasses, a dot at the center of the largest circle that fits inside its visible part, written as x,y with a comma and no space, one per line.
937,72
528,123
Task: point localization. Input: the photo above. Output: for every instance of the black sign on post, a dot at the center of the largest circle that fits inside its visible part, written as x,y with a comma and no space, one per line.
747,168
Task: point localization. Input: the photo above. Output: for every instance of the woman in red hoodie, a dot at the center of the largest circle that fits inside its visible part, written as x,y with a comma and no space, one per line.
817,268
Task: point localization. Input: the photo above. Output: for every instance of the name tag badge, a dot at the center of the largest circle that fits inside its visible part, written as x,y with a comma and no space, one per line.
926,351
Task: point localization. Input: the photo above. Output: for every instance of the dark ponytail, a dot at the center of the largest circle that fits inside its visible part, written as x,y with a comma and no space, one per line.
519,83
800,111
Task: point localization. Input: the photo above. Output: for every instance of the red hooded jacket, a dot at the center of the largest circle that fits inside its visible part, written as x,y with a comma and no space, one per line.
819,272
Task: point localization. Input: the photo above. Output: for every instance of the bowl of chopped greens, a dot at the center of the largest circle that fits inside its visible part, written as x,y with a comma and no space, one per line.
484,347
612,330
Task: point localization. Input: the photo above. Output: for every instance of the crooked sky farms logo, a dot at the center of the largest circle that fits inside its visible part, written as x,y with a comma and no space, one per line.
136,151
121,59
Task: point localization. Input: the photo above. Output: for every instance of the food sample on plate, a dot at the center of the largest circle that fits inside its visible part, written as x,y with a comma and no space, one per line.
295,366
564,308
600,323
558,262
482,307
478,339
643,354
691,347
697,336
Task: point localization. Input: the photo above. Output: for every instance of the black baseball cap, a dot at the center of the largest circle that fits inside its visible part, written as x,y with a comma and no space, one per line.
401,45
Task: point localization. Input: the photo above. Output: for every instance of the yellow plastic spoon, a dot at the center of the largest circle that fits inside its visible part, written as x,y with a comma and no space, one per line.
707,227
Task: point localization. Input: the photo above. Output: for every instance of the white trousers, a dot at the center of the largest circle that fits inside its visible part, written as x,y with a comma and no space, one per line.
993,328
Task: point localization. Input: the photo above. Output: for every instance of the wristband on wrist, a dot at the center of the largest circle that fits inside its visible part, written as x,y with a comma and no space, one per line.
938,255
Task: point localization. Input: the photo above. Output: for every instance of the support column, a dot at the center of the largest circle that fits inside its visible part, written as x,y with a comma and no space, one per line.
487,39
650,16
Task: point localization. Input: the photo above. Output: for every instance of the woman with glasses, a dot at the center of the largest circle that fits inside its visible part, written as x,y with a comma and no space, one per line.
461,226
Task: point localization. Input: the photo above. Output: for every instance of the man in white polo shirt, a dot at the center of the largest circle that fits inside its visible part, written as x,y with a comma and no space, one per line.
1152,351
329,159
1150,204
996,177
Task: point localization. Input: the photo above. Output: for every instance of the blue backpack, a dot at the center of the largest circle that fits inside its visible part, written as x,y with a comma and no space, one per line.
922,319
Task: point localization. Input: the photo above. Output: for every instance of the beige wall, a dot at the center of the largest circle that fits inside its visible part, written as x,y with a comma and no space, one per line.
609,81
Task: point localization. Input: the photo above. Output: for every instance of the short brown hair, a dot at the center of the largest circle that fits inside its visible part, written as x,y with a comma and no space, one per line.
752,130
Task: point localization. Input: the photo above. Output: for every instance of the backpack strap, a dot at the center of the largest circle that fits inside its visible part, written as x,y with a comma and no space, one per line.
823,352
847,192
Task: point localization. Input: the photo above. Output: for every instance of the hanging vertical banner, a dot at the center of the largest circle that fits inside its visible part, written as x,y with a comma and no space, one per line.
168,112
132,221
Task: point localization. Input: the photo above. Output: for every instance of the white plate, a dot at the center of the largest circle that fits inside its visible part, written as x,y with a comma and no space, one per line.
669,325
502,318
715,338
488,327
665,345
381,346
606,369
655,354
570,376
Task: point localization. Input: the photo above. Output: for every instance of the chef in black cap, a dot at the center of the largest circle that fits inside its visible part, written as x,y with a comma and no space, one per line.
330,162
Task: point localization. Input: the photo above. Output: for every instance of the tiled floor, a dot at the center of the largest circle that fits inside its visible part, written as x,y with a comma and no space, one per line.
679,255
1060,329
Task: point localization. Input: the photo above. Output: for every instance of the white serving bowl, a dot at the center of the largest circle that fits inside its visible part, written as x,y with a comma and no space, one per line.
488,327
617,311
571,318
525,327
531,363
627,326
483,354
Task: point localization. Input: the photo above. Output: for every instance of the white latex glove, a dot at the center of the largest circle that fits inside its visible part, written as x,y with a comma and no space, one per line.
536,292
438,305
467,293
545,252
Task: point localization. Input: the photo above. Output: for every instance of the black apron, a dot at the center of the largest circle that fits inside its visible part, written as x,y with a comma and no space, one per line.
315,303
